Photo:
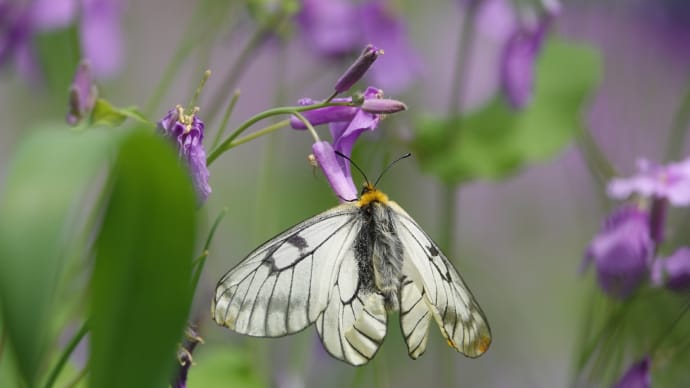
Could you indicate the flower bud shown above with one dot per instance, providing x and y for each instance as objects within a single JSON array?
[
  {"x": 357, "y": 70},
  {"x": 383, "y": 105}
]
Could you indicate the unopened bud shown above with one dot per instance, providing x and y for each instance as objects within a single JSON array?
[
  {"x": 383, "y": 106},
  {"x": 357, "y": 70}
]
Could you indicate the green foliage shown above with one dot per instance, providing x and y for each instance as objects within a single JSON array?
[
  {"x": 496, "y": 140},
  {"x": 42, "y": 209},
  {"x": 106, "y": 114},
  {"x": 223, "y": 367},
  {"x": 141, "y": 281}
]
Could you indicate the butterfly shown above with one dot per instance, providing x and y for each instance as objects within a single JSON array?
[{"x": 344, "y": 270}]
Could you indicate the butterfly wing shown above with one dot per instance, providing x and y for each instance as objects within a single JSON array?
[
  {"x": 285, "y": 284},
  {"x": 306, "y": 274},
  {"x": 433, "y": 287}
]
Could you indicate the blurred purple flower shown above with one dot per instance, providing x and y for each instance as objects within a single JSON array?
[
  {"x": 519, "y": 60},
  {"x": 347, "y": 123},
  {"x": 637, "y": 376},
  {"x": 671, "y": 182},
  {"x": 101, "y": 36},
  {"x": 400, "y": 65},
  {"x": 673, "y": 271},
  {"x": 621, "y": 251},
  {"x": 100, "y": 31},
  {"x": 15, "y": 29},
  {"x": 329, "y": 26},
  {"x": 187, "y": 131},
  {"x": 53, "y": 14},
  {"x": 82, "y": 94},
  {"x": 335, "y": 28}
]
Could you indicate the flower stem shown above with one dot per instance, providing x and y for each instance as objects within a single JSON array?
[
  {"x": 190, "y": 42},
  {"x": 255, "y": 41},
  {"x": 199, "y": 262},
  {"x": 462, "y": 60},
  {"x": 679, "y": 128},
  {"x": 65, "y": 355},
  {"x": 226, "y": 118},
  {"x": 227, "y": 143}
]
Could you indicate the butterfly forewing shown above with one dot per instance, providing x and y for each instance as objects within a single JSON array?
[
  {"x": 441, "y": 287},
  {"x": 284, "y": 285}
]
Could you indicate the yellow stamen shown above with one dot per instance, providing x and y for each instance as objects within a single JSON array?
[{"x": 185, "y": 119}]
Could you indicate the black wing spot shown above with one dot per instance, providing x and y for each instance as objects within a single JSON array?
[
  {"x": 432, "y": 250},
  {"x": 297, "y": 241}
]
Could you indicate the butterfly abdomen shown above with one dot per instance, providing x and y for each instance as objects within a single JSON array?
[{"x": 379, "y": 253}]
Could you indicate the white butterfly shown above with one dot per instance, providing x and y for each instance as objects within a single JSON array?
[{"x": 343, "y": 270}]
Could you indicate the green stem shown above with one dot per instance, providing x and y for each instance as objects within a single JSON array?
[
  {"x": 240, "y": 65},
  {"x": 461, "y": 61},
  {"x": 226, "y": 118},
  {"x": 199, "y": 262},
  {"x": 259, "y": 133},
  {"x": 226, "y": 144},
  {"x": 597, "y": 162},
  {"x": 65, "y": 355},
  {"x": 681, "y": 120}
]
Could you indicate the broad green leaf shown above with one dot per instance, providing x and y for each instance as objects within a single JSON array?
[
  {"x": 223, "y": 367},
  {"x": 141, "y": 280},
  {"x": 496, "y": 140},
  {"x": 42, "y": 210}
]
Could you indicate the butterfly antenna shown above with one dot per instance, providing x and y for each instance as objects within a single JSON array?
[
  {"x": 354, "y": 164},
  {"x": 407, "y": 155}
]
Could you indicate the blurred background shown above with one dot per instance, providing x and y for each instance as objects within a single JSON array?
[{"x": 519, "y": 238}]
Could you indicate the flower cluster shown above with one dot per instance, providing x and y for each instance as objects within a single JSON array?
[
  {"x": 187, "y": 133},
  {"x": 347, "y": 122},
  {"x": 624, "y": 250}
]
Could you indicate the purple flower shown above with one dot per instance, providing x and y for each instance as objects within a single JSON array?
[
  {"x": 329, "y": 26},
  {"x": 384, "y": 28},
  {"x": 15, "y": 30},
  {"x": 101, "y": 36},
  {"x": 188, "y": 133},
  {"x": 670, "y": 182},
  {"x": 100, "y": 31},
  {"x": 53, "y": 14},
  {"x": 82, "y": 94},
  {"x": 673, "y": 272},
  {"x": 338, "y": 178},
  {"x": 335, "y": 28},
  {"x": 184, "y": 357},
  {"x": 518, "y": 62},
  {"x": 621, "y": 251},
  {"x": 347, "y": 123},
  {"x": 637, "y": 376}
]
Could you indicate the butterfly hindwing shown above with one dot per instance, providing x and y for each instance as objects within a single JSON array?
[
  {"x": 434, "y": 283},
  {"x": 284, "y": 285}
]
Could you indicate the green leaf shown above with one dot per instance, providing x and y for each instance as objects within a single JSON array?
[
  {"x": 223, "y": 367},
  {"x": 496, "y": 140},
  {"x": 141, "y": 281},
  {"x": 42, "y": 212},
  {"x": 106, "y": 114}
]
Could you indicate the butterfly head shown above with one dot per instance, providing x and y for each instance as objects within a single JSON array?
[{"x": 371, "y": 194}]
